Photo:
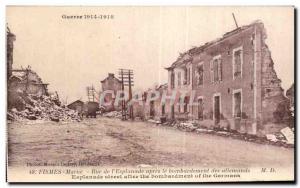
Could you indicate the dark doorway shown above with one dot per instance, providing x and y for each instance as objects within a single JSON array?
[
  {"x": 186, "y": 102},
  {"x": 217, "y": 108},
  {"x": 172, "y": 111},
  {"x": 163, "y": 110},
  {"x": 152, "y": 111},
  {"x": 237, "y": 105},
  {"x": 200, "y": 109}
]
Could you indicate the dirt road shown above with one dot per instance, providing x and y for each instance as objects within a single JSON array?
[{"x": 112, "y": 142}]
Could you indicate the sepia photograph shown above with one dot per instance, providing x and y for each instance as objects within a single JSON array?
[{"x": 150, "y": 94}]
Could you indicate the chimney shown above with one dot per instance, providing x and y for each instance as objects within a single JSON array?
[{"x": 111, "y": 75}]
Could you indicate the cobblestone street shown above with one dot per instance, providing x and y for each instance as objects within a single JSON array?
[{"x": 112, "y": 142}]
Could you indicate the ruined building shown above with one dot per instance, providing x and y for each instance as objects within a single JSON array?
[
  {"x": 24, "y": 82},
  {"x": 28, "y": 81},
  {"x": 10, "y": 38},
  {"x": 234, "y": 80},
  {"x": 111, "y": 83},
  {"x": 21, "y": 82},
  {"x": 153, "y": 109}
]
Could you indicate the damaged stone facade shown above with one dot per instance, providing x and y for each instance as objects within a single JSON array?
[
  {"x": 235, "y": 84},
  {"x": 155, "y": 109},
  {"x": 28, "y": 81},
  {"x": 24, "y": 82},
  {"x": 21, "y": 82},
  {"x": 113, "y": 84}
]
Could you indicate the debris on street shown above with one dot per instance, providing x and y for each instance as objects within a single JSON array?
[
  {"x": 153, "y": 121},
  {"x": 113, "y": 114},
  {"x": 288, "y": 134},
  {"x": 284, "y": 138},
  {"x": 187, "y": 126},
  {"x": 271, "y": 137},
  {"x": 42, "y": 108}
]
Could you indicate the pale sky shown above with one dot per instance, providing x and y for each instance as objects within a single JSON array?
[{"x": 71, "y": 54}]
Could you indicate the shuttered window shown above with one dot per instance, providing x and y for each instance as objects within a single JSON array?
[
  {"x": 216, "y": 69},
  {"x": 200, "y": 74},
  {"x": 237, "y": 62},
  {"x": 172, "y": 80}
]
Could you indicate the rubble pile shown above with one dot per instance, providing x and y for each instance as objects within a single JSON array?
[
  {"x": 187, "y": 126},
  {"x": 113, "y": 114},
  {"x": 42, "y": 108},
  {"x": 154, "y": 121},
  {"x": 283, "y": 138}
]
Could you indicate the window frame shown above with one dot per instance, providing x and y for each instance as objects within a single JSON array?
[
  {"x": 233, "y": 102},
  {"x": 219, "y": 69},
  {"x": 197, "y": 67},
  {"x": 213, "y": 99},
  {"x": 200, "y": 98},
  {"x": 185, "y": 75},
  {"x": 179, "y": 81},
  {"x": 240, "y": 48},
  {"x": 172, "y": 79}
]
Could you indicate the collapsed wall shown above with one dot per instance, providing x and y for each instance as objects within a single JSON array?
[
  {"x": 39, "y": 107},
  {"x": 275, "y": 106}
]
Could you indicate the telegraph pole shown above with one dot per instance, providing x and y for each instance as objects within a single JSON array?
[
  {"x": 123, "y": 101},
  {"x": 91, "y": 93},
  {"x": 126, "y": 76},
  {"x": 130, "y": 96}
]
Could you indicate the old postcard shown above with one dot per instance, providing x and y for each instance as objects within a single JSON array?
[{"x": 150, "y": 94}]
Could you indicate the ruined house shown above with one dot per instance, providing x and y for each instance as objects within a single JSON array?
[
  {"x": 155, "y": 109},
  {"x": 24, "y": 82},
  {"x": 28, "y": 81},
  {"x": 234, "y": 82},
  {"x": 113, "y": 84},
  {"x": 10, "y": 38},
  {"x": 20, "y": 82}
]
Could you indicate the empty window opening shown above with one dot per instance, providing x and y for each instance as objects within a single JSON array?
[
  {"x": 185, "y": 75},
  {"x": 172, "y": 80},
  {"x": 179, "y": 79},
  {"x": 200, "y": 74}
]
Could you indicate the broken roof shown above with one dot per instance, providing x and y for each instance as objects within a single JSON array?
[
  {"x": 21, "y": 74},
  {"x": 199, "y": 49},
  {"x": 77, "y": 101},
  {"x": 110, "y": 75}
]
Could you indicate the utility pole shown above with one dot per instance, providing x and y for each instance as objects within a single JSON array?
[
  {"x": 130, "y": 96},
  {"x": 91, "y": 93},
  {"x": 126, "y": 76},
  {"x": 123, "y": 101}
]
